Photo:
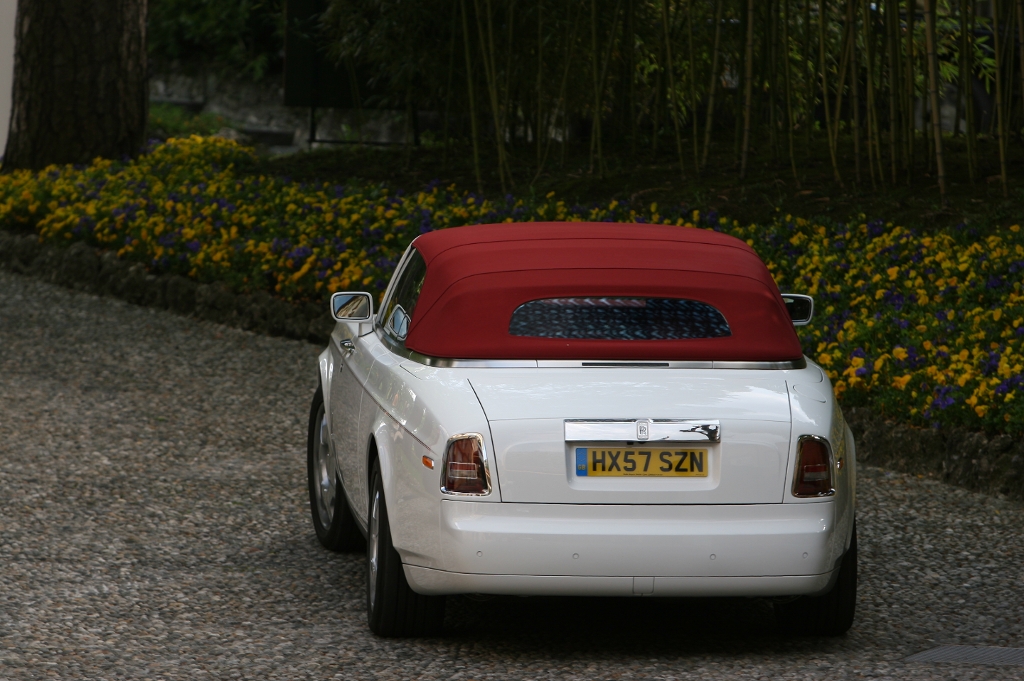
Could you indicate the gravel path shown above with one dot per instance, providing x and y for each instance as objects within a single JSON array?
[{"x": 154, "y": 524}]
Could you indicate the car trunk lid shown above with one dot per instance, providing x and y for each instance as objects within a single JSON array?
[{"x": 543, "y": 422}]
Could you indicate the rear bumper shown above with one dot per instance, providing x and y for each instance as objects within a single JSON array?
[
  {"x": 439, "y": 582},
  {"x": 721, "y": 550}
]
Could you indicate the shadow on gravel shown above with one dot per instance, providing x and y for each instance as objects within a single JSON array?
[{"x": 656, "y": 626}]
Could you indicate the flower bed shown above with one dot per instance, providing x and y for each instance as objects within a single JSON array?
[{"x": 929, "y": 329}]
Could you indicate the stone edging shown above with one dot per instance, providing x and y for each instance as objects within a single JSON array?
[
  {"x": 83, "y": 268},
  {"x": 994, "y": 465}
]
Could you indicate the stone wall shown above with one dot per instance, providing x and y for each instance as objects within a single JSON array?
[{"x": 258, "y": 110}]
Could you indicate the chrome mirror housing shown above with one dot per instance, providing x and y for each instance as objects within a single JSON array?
[
  {"x": 800, "y": 307},
  {"x": 398, "y": 323},
  {"x": 349, "y": 306}
]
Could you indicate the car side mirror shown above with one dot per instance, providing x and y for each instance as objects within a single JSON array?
[
  {"x": 348, "y": 306},
  {"x": 800, "y": 307}
]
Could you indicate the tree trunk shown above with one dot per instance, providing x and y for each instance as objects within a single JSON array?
[
  {"x": 80, "y": 83},
  {"x": 933, "y": 94}
]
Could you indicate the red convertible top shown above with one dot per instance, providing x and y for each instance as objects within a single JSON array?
[{"x": 478, "y": 276}]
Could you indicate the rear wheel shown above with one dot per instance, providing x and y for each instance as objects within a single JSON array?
[
  {"x": 830, "y": 614},
  {"x": 332, "y": 519},
  {"x": 393, "y": 608}
]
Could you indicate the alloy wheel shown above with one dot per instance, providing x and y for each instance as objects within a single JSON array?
[
  {"x": 326, "y": 485},
  {"x": 372, "y": 548}
]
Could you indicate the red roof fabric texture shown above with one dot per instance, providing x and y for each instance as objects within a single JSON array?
[{"x": 477, "y": 276}]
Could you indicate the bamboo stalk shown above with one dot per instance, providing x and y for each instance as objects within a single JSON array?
[
  {"x": 789, "y": 90},
  {"x": 809, "y": 97},
  {"x": 961, "y": 72},
  {"x": 693, "y": 89},
  {"x": 540, "y": 77},
  {"x": 933, "y": 94},
  {"x": 823, "y": 67},
  {"x": 845, "y": 51},
  {"x": 1020, "y": 42},
  {"x": 999, "y": 99},
  {"x": 910, "y": 90},
  {"x": 560, "y": 104},
  {"x": 631, "y": 52},
  {"x": 870, "y": 92},
  {"x": 972, "y": 129},
  {"x": 472, "y": 101},
  {"x": 773, "y": 62},
  {"x": 748, "y": 86},
  {"x": 851, "y": 18},
  {"x": 448, "y": 89},
  {"x": 669, "y": 96},
  {"x": 490, "y": 75},
  {"x": 893, "y": 61},
  {"x": 713, "y": 87}
]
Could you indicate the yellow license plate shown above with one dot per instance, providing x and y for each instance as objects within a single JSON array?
[{"x": 653, "y": 462}]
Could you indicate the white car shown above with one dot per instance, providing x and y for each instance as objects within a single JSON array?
[{"x": 587, "y": 410}]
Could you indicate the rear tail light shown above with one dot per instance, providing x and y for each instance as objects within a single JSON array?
[
  {"x": 813, "y": 476},
  {"x": 464, "y": 470}
]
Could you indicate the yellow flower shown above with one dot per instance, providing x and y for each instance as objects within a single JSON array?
[
  {"x": 899, "y": 353},
  {"x": 901, "y": 382}
]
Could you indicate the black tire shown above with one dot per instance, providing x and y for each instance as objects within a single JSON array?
[
  {"x": 392, "y": 607},
  {"x": 332, "y": 518},
  {"x": 830, "y": 614}
]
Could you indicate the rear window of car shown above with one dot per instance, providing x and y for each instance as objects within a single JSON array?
[{"x": 618, "y": 318}]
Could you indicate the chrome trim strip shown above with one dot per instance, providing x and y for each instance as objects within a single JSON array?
[
  {"x": 622, "y": 363},
  {"x": 448, "y": 363},
  {"x": 483, "y": 456},
  {"x": 792, "y": 364},
  {"x": 659, "y": 430}
]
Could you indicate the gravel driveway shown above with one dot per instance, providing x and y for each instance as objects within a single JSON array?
[{"x": 154, "y": 523}]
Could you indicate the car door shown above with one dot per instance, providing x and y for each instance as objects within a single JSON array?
[
  {"x": 358, "y": 393},
  {"x": 351, "y": 363}
]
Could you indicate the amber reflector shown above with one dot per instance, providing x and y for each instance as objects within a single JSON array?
[
  {"x": 813, "y": 468},
  {"x": 464, "y": 471}
]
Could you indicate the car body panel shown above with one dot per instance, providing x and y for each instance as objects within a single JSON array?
[
  {"x": 527, "y": 410},
  {"x": 634, "y": 540}
]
